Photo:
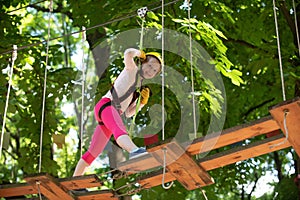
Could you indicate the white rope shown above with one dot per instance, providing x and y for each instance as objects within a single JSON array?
[
  {"x": 142, "y": 14},
  {"x": 163, "y": 94},
  {"x": 13, "y": 58},
  {"x": 296, "y": 26},
  {"x": 279, "y": 53},
  {"x": 45, "y": 86},
  {"x": 203, "y": 193},
  {"x": 164, "y": 171},
  {"x": 82, "y": 90},
  {"x": 192, "y": 71},
  {"x": 163, "y": 70},
  {"x": 285, "y": 129},
  {"x": 38, "y": 183}
]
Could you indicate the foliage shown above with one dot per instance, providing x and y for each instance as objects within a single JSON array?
[{"x": 238, "y": 35}]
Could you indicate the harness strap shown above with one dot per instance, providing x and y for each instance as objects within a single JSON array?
[
  {"x": 101, "y": 110},
  {"x": 118, "y": 100}
]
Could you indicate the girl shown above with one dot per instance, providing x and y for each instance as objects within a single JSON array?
[{"x": 119, "y": 101}]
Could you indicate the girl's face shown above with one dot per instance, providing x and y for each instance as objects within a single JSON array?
[{"x": 150, "y": 68}]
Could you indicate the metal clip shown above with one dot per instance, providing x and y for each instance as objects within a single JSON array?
[{"x": 142, "y": 12}]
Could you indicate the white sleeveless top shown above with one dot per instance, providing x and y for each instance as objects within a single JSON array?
[{"x": 126, "y": 78}]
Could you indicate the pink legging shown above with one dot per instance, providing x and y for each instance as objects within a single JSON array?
[{"x": 112, "y": 124}]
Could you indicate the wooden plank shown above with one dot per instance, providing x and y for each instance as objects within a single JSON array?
[
  {"x": 182, "y": 166},
  {"x": 155, "y": 178},
  {"x": 292, "y": 119},
  {"x": 204, "y": 144},
  {"x": 80, "y": 182},
  {"x": 224, "y": 158},
  {"x": 139, "y": 164},
  {"x": 240, "y": 153},
  {"x": 21, "y": 189},
  {"x": 97, "y": 195},
  {"x": 232, "y": 135},
  {"x": 48, "y": 186}
]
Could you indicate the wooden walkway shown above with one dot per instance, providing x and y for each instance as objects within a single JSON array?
[
  {"x": 56, "y": 189},
  {"x": 280, "y": 130},
  {"x": 271, "y": 125}
]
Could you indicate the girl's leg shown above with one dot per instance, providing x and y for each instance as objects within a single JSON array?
[
  {"x": 113, "y": 121},
  {"x": 99, "y": 140}
]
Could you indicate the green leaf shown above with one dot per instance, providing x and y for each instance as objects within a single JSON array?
[{"x": 152, "y": 15}]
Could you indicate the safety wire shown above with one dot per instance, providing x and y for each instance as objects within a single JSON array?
[
  {"x": 279, "y": 52},
  {"x": 38, "y": 184},
  {"x": 13, "y": 58},
  {"x": 187, "y": 2},
  {"x": 164, "y": 150},
  {"x": 192, "y": 71},
  {"x": 45, "y": 85},
  {"x": 82, "y": 90},
  {"x": 142, "y": 14},
  {"x": 282, "y": 78}
]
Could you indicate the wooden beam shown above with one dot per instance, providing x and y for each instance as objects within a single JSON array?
[
  {"x": 98, "y": 195},
  {"x": 204, "y": 144},
  {"x": 240, "y": 153},
  {"x": 155, "y": 178},
  {"x": 232, "y": 135},
  {"x": 288, "y": 113},
  {"x": 182, "y": 166},
  {"x": 139, "y": 164},
  {"x": 80, "y": 182},
  {"x": 49, "y": 187},
  {"x": 11, "y": 190},
  {"x": 224, "y": 158}
]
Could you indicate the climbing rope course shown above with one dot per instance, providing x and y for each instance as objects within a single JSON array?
[{"x": 191, "y": 173}]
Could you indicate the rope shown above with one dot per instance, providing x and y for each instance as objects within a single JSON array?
[
  {"x": 45, "y": 86},
  {"x": 38, "y": 183},
  {"x": 279, "y": 53},
  {"x": 164, "y": 171},
  {"x": 203, "y": 193},
  {"x": 82, "y": 91},
  {"x": 187, "y": 2},
  {"x": 142, "y": 14},
  {"x": 285, "y": 129},
  {"x": 163, "y": 93},
  {"x": 13, "y": 58},
  {"x": 89, "y": 28},
  {"x": 296, "y": 26},
  {"x": 162, "y": 70}
]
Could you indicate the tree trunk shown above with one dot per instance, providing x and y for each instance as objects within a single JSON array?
[{"x": 278, "y": 165}]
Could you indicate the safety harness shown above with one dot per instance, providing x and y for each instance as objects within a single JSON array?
[{"x": 116, "y": 101}]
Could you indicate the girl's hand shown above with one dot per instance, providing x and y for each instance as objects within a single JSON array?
[
  {"x": 145, "y": 93},
  {"x": 142, "y": 55}
]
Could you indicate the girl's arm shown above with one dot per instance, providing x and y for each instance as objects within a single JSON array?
[
  {"x": 129, "y": 56},
  {"x": 132, "y": 109}
]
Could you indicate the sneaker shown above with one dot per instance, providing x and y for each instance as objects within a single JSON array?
[{"x": 138, "y": 152}]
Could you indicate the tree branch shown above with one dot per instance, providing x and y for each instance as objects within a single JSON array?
[
  {"x": 258, "y": 106},
  {"x": 254, "y": 186},
  {"x": 288, "y": 18}
]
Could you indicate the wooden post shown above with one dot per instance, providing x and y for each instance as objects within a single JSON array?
[{"x": 288, "y": 113}]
